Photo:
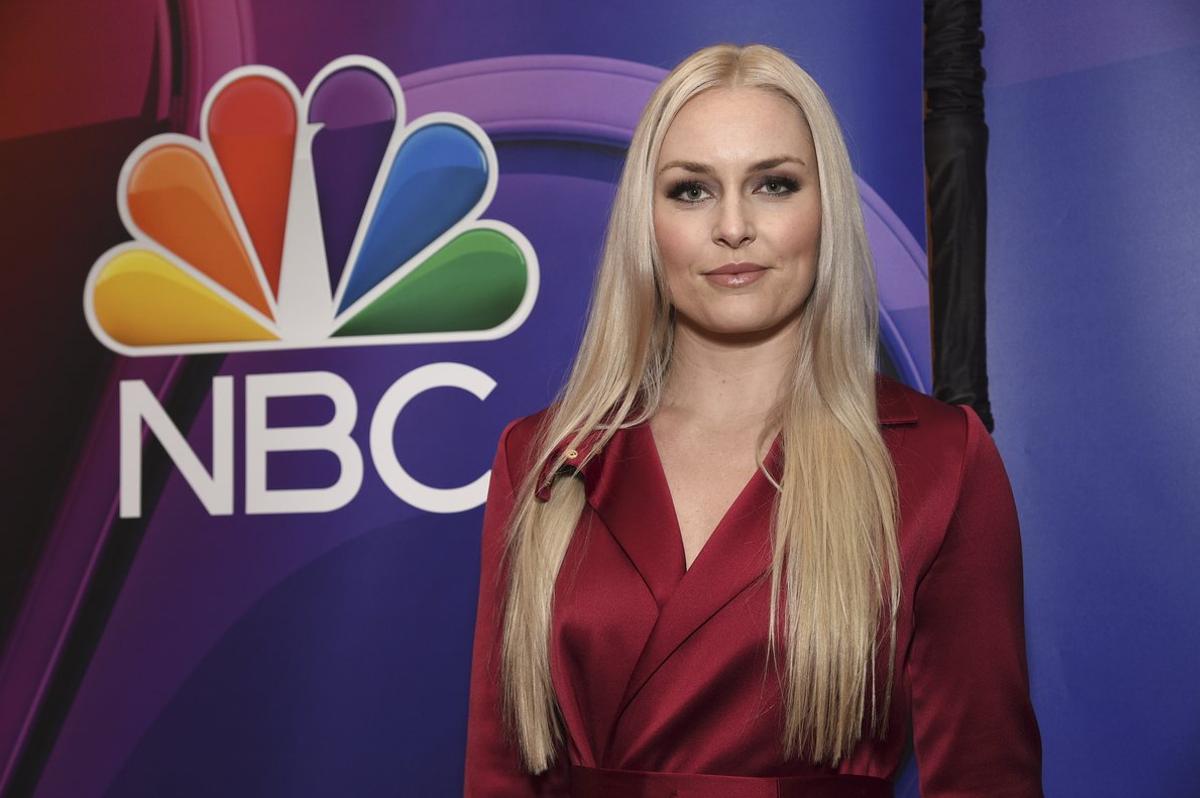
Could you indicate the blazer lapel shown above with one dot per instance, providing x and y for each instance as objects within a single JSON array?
[
  {"x": 620, "y": 482},
  {"x": 632, "y": 499},
  {"x": 893, "y": 406},
  {"x": 736, "y": 554}
]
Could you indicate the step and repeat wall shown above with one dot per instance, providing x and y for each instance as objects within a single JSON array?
[
  {"x": 279, "y": 273},
  {"x": 249, "y": 566}
]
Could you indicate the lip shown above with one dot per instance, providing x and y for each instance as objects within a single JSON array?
[
  {"x": 736, "y": 275},
  {"x": 737, "y": 268}
]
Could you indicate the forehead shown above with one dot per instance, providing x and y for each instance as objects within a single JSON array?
[{"x": 733, "y": 125}]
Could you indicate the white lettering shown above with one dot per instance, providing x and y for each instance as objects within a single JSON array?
[
  {"x": 331, "y": 437},
  {"x": 214, "y": 490},
  {"x": 383, "y": 426}
]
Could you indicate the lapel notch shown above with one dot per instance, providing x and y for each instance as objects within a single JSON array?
[{"x": 892, "y": 403}]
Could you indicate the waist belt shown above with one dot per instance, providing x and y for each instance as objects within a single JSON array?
[{"x": 605, "y": 783}]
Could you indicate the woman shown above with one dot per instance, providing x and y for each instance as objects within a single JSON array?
[{"x": 771, "y": 557}]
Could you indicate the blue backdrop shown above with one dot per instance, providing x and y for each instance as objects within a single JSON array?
[{"x": 1093, "y": 288}]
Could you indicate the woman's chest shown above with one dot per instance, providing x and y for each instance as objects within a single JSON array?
[
  {"x": 702, "y": 476},
  {"x": 662, "y": 667},
  {"x": 680, "y": 680},
  {"x": 682, "y": 685}
]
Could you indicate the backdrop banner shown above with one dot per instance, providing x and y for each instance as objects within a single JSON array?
[{"x": 284, "y": 270}]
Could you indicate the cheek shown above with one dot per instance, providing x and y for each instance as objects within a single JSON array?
[
  {"x": 676, "y": 240},
  {"x": 799, "y": 235}
]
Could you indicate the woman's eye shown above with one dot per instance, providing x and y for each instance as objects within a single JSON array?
[
  {"x": 689, "y": 191},
  {"x": 779, "y": 186}
]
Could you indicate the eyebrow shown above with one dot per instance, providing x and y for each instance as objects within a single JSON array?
[{"x": 703, "y": 168}]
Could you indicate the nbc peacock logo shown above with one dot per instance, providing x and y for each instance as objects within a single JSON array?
[{"x": 313, "y": 220}]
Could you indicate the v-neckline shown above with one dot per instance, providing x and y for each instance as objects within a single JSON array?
[{"x": 674, "y": 514}]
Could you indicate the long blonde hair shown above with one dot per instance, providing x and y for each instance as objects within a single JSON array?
[{"x": 834, "y": 523}]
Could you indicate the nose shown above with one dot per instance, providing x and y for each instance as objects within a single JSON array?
[{"x": 733, "y": 226}]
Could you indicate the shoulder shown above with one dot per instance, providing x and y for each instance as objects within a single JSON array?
[
  {"x": 942, "y": 442},
  {"x": 932, "y": 421},
  {"x": 517, "y": 441},
  {"x": 900, "y": 404}
]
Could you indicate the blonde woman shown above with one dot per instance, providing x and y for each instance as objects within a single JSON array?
[{"x": 730, "y": 559}]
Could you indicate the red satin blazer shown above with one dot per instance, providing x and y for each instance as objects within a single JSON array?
[{"x": 658, "y": 670}]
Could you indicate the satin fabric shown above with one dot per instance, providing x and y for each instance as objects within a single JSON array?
[
  {"x": 604, "y": 783},
  {"x": 662, "y": 669}
]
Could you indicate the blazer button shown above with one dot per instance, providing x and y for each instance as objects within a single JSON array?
[{"x": 571, "y": 455}]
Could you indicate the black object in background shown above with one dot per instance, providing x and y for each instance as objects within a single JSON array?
[{"x": 956, "y": 140}]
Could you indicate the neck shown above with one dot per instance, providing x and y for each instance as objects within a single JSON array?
[{"x": 723, "y": 381}]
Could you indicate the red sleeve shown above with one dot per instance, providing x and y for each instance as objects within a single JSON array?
[
  {"x": 493, "y": 764},
  {"x": 974, "y": 728}
]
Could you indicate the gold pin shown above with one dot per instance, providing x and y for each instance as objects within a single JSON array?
[{"x": 572, "y": 454}]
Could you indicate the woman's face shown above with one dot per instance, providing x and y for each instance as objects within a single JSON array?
[{"x": 736, "y": 183}]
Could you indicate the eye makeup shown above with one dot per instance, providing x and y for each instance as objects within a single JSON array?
[{"x": 681, "y": 188}]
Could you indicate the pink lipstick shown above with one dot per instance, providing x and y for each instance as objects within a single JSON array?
[{"x": 736, "y": 275}]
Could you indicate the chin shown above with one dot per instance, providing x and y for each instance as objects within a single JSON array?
[{"x": 734, "y": 323}]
